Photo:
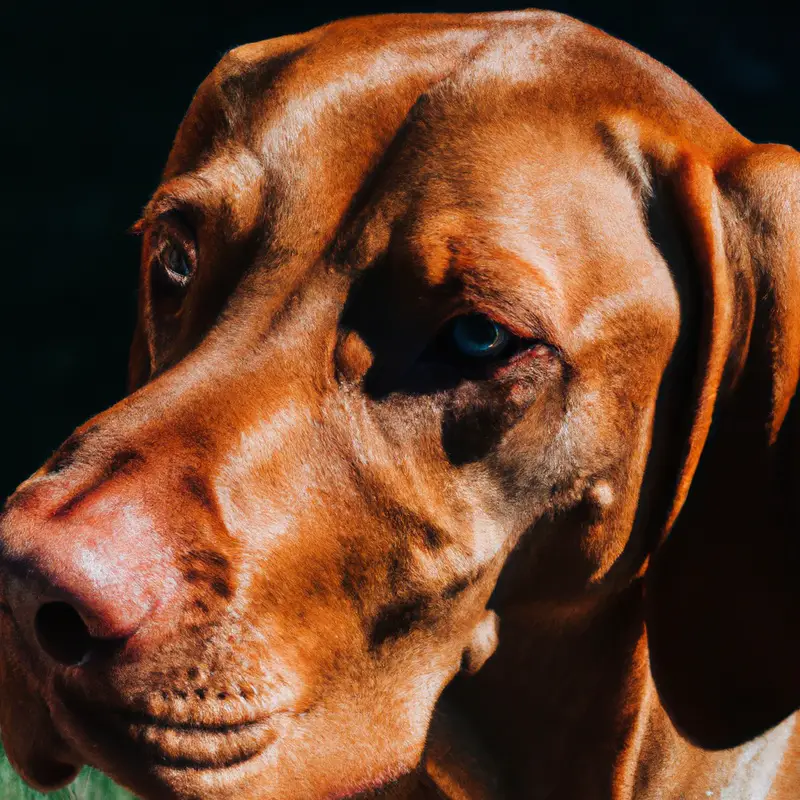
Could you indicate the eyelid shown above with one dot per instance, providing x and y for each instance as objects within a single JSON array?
[
  {"x": 177, "y": 225},
  {"x": 180, "y": 220},
  {"x": 169, "y": 210},
  {"x": 185, "y": 193}
]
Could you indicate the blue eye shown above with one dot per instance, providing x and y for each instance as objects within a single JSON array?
[{"x": 477, "y": 336}]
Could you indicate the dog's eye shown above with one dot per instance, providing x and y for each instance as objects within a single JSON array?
[
  {"x": 477, "y": 337},
  {"x": 177, "y": 263},
  {"x": 174, "y": 252},
  {"x": 473, "y": 347}
]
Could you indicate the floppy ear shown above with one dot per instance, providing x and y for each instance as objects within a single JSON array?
[{"x": 723, "y": 588}]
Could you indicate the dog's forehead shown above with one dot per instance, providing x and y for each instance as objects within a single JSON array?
[
  {"x": 341, "y": 90},
  {"x": 513, "y": 202},
  {"x": 299, "y": 125}
]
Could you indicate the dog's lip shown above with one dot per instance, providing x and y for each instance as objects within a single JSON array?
[
  {"x": 175, "y": 743},
  {"x": 197, "y": 745},
  {"x": 191, "y": 725}
]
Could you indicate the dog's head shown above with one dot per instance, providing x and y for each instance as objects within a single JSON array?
[{"x": 414, "y": 290}]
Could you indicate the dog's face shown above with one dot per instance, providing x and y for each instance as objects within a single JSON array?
[
  {"x": 333, "y": 465},
  {"x": 371, "y": 358}
]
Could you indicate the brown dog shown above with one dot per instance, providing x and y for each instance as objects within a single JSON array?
[{"x": 438, "y": 315}]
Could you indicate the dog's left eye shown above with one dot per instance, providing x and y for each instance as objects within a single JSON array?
[{"x": 477, "y": 337}]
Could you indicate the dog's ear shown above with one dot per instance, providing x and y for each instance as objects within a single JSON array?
[{"x": 723, "y": 584}]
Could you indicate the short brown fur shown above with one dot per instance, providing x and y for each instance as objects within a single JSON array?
[{"x": 308, "y": 564}]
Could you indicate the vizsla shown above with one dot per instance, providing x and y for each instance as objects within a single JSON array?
[{"x": 461, "y": 456}]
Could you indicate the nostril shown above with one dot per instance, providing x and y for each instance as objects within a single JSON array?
[{"x": 62, "y": 634}]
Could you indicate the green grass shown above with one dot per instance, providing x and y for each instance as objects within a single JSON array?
[{"x": 89, "y": 785}]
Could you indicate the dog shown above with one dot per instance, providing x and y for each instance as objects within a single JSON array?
[{"x": 461, "y": 453}]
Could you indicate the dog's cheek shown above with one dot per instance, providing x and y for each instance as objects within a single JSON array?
[
  {"x": 32, "y": 744},
  {"x": 478, "y": 416}
]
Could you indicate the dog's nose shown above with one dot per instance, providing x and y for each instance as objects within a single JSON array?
[
  {"x": 64, "y": 635},
  {"x": 82, "y": 576}
]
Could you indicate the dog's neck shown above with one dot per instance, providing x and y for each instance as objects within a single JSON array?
[{"x": 571, "y": 711}]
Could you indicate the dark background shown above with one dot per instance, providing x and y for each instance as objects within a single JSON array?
[{"x": 92, "y": 94}]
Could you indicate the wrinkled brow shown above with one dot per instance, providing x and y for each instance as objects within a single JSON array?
[
  {"x": 522, "y": 291},
  {"x": 187, "y": 191},
  {"x": 236, "y": 174}
]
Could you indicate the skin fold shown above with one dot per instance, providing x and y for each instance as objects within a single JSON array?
[{"x": 316, "y": 553}]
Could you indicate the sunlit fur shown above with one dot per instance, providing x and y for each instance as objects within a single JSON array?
[{"x": 314, "y": 561}]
